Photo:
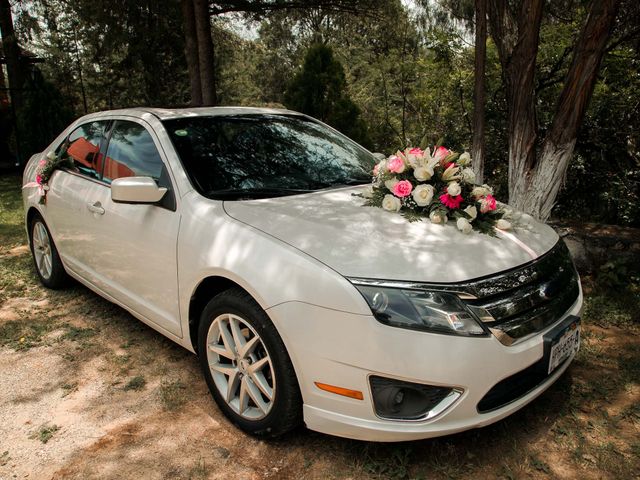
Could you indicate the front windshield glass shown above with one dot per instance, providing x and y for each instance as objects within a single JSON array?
[{"x": 265, "y": 155}]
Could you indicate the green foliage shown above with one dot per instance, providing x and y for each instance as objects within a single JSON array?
[
  {"x": 387, "y": 77},
  {"x": 45, "y": 433},
  {"x": 319, "y": 90},
  {"x": 44, "y": 114}
]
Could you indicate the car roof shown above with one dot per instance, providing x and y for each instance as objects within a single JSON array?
[{"x": 167, "y": 113}]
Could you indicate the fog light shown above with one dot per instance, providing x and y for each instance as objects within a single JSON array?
[{"x": 399, "y": 400}]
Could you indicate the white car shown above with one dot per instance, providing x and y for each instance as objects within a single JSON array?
[{"x": 236, "y": 233}]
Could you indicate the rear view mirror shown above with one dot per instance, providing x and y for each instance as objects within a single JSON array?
[{"x": 136, "y": 190}]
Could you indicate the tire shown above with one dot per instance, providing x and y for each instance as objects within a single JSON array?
[
  {"x": 258, "y": 367},
  {"x": 45, "y": 255}
]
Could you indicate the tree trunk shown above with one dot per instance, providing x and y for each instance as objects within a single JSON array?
[
  {"x": 4, "y": 99},
  {"x": 579, "y": 83},
  {"x": 191, "y": 52},
  {"x": 517, "y": 41},
  {"x": 479, "y": 92},
  {"x": 12, "y": 55},
  {"x": 80, "y": 76},
  {"x": 205, "y": 52}
]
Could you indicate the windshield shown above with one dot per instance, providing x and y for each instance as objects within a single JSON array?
[{"x": 265, "y": 155}]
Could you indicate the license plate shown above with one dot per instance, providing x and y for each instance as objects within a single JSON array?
[{"x": 564, "y": 345}]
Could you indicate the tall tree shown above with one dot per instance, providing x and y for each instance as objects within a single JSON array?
[
  {"x": 560, "y": 140},
  {"x": 191, "y": 51},
  {"x": 479, "y": 89},
  {"x": 534, "y": 180},
  {"x": 205, "y": 52},
  {"x": 200, "y": 23},
  {"x": 12, "y": 54},
  {"x": 319, "y": 90}
]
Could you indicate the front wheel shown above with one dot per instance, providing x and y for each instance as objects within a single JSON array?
[
  {"x": 247, "y": 367},
  {"x": 45, "y": 255}
]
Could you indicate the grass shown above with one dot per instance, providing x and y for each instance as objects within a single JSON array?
[
  {"x": 78, "y": 333},
  {"x": 24, "y": 334},
  {"x": 199, "y": 470},
  {"x": 137, "y": 383},
  {"x": 12, "y": 231},
  {"x": 173, "y": 394},
  {"x": 68, "y": 388},
  {"x": 45, "y": 433}
]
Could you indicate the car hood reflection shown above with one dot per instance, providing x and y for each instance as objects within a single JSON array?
[{"x": 333, "y": 227}]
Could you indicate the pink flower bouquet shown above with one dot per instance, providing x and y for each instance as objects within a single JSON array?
[{"x": 437, "y": 185}]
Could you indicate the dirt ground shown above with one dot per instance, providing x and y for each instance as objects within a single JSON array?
[{"x": 88, "y": 392}]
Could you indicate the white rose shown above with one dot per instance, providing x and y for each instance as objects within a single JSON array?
[
  {"x": 391, "y": 203},
  {"x": 51, "y": 155},
  {"x": 472, "y": 211},
  {"x": 478, "y": 192},
  {"x": 450, "y": 173},
  {"x": 423, "y": 194},
  {"x": 468, "y": 175},
  {"x": 437, "y": 217},
  {"x": 503, "y": 224},
  {"x": 423, "y": 174},
  {"x": 391, "y": 183},
  {"x": 454, "y": 189},
  {"x": 368, "y": 192},
  {"x": 464, "y": 159},
  {"x": 463, "y": 225},
  {"x": 380, "y": 168}
]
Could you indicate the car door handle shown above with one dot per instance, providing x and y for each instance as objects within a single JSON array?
[{"x": 96, "y": 208}]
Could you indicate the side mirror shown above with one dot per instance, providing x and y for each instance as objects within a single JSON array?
[{"x": 136, "y": 190}]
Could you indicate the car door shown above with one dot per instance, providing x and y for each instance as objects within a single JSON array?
[
  {"x": 67, "y": 206},
  {"x": 135, "y": 251}
]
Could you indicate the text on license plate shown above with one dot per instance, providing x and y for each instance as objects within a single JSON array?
[{"x": 564, "y": 346}]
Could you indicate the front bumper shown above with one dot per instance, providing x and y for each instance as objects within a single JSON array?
[{"x": 344, "y": 349}]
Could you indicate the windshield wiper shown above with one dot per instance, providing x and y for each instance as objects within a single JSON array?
[{"x": 231, "y": 193}]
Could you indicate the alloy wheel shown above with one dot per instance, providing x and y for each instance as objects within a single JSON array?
[
  {"x": 42, "y": 250},
  {"x": 241, "y": 366}
]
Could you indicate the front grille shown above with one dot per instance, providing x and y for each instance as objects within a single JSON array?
[
  {"x": 518, "y": 303},
  {"x": 515, "y": 386}
]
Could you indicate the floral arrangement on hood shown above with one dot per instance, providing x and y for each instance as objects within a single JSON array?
[
  {"x": 436, "y": 184},
  {"x": 44, "y": 170}
]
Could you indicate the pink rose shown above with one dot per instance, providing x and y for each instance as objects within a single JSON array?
[
  {"x": 42, "y": 163},
  {"x": 395, "y": 164},
  {"x": 487, "y": 204},
  {"x": 39, "y": 179},
  {"x": 451, "y": 202},
  {"x": 376, "y": 169},
  {"x": 416, "y": 151},
  {"x": 402, "y": 188},
  {"x": 441, "y": 153}
]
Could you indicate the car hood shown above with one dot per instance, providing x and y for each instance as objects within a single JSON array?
[{"x": 334, "y": 227}]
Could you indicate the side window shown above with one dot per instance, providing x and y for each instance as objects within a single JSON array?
[
  {"x": 131, "y": 152},
  {"x": 83, "y": 147}
]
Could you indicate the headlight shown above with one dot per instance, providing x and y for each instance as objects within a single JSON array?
[{"x": 430, "y": 311}]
